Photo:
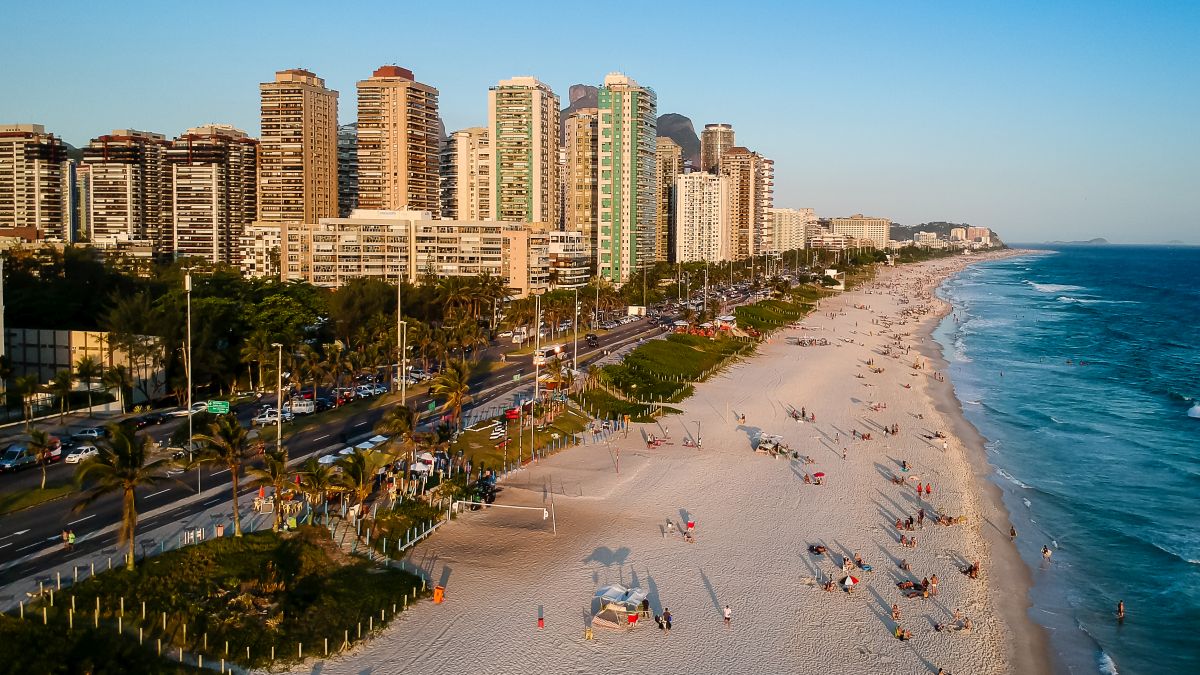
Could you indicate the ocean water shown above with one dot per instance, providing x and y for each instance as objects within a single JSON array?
[{"x": 1080, "y": 366}]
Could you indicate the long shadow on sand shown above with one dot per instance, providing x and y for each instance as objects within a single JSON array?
[{"x": 712, "y": 593}]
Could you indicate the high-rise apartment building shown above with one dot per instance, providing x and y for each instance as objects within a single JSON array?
[
  {"x": 131, "y": 189},
  {"x": 523, "y": 129},
  {"x": 628, "y": 206},
  {"x": 34, "y": 184},
  {"x": 214, "y": 182},
  {"x": 764, "y": 241},
  {"x": 399, "y": 142},
  {"x": 750, "y": 180},
  {"x": 347, "y": 158},
  {"x": 668, "y": 160},
  {"x": 581, "y": 212},
  {"x": 81, "y": 200},
  {"x": 790, "y": 227},
  {"x": 715, "y": 139},
  {"x": 702, "y": 211},
  {"x": 467, "y": 175},
  {"x": 298, "y": 168},
  {"x": 570, "y": 259},
  {"x": 858, "y": 226}
]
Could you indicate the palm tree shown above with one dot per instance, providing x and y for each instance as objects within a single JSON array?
[
  {"x": 120, "y": 466},
  {"x": 26, "y": 386},
  {"x": 358, "y": 473},
  {"x": 316, "y": 479},
  {"x": 86, "y": 370},
  {"x": 227, "y": 443},
  {"x": 119, "y": 378},
  {"x": 257, "y": 349},
  {"x": 274, "y": 473},
  {"x": 40, "y": 446},
  {"x": 452, "y": 386},
  {"x": 61, "y": 386}
]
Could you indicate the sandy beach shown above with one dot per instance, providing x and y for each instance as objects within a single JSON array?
[{"x": 755, "y": 520}]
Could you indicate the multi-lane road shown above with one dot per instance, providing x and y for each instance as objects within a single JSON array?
[{"x": 30, "y": 540}]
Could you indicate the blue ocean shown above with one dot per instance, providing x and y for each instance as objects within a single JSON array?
[{"x": 1080, "y": 366}]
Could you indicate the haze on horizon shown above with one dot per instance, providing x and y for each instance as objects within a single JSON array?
[{"x": 1043, "y": 121}]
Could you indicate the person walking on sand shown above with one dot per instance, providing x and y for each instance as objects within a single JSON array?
[
  {"x": 921, "y": 517},
  {"x": 667, "y": 618},
  {"x": 728, "y": 614},
  {"x": 1012, "y": 533}
]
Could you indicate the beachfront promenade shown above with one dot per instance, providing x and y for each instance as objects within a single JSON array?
[{"x": 755, "y": 518}]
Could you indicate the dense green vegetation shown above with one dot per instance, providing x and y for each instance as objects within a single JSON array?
[
  {"x": 27, "y": 646},
  {"x": 258, "y": 591}
]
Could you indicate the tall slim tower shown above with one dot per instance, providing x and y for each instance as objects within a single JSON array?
[
  {"x": 523, "y": 128},
  {"x": 33, "y": 184},
  {"x": 347, "y": 151},
  {"x": 702, "y": 205},
  {"x": 669, "y": 164},
  {"x": 467, "y": 175},
  {"x": 131, "y": 188},
  {"x": 297, "y": 171},
  {"x": 628, "y": 199},
  {"x": 398, "y": 143},
  {"x": 213, "y": 177},
  {"x": 715, "y": 139},
  {"x": 580, "y": 210}
]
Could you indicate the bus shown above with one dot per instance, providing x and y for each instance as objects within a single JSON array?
[{"x": 546, "y": 354}]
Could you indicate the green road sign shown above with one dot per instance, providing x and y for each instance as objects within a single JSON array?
[
  {"x": 432, "y": 406},
  {"x": 218, "y": 407},
  {"x": 516, "y": 378}
]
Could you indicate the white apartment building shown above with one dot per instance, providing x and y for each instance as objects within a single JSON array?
[
  {"x": 398, "y": 142},
  {"x": 298, "y": 152},
  {"x": 703, "y": 204},
  {"x": 35, "y": 189},
  {"x": 131, "y": 189},
  {"x": 466, "y": 175},
  {"x": 570, "y": 259},
  {"x": 213, "y": 182},
  {"x": 789, "y": 227}
]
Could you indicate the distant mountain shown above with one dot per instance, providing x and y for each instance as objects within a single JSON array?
[
  {"x": 674, "y": 126},
  {"x": 1098, "y": 241},
  {"x": 679, "y": 129}
]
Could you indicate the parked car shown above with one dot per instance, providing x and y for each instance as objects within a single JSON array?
[
  {"x": 90, "y": 433},
  {"x": 17, "y": 457},
  {"x": 300, "y": 406},
  {"x": 378, "y": 389},
  {"x": 81, "y": 453},
  {"x": 270, "y": 416},
  {"x": 322, "y": 404},
  {"x": 504, "y": 334},
  {"x": 363, "y": 391}
]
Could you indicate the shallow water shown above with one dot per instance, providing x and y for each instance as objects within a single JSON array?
[{"x": 1080, "y": 367}]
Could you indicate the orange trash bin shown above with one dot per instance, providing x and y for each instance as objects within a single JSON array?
[{"x": 439, "y": 594}]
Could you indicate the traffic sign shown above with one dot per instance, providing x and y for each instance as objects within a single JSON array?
[
  {"x": 432, "y": 406},
  {"x": 218, "y": 407}
]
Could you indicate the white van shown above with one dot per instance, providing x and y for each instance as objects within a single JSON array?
[{"x": 299, "y": 406}]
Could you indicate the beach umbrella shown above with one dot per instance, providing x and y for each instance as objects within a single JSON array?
[
  {"x": 365, "y": 445},
  {"x": 849, "y": 581},
  {"x": 378, "y": 439},
  {"x": 425, "y": 456},
  {"x": 420, "y": 467},
  {"x": 262, "y": 492},
  {"x": 819, "y": 474},
  {"x": 346, "y": 451}
]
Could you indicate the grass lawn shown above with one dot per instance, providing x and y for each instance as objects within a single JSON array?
[
  {"x": 606, "y": 406},
  {"x": 23, "y": 499},
  {"x": 768, "y": 315},
  {"x": 259, "y": 591},
  {"x": 662, "y": 370},
  {"x": 26, "y": 646},
  {"x": 478, "y": 446}
]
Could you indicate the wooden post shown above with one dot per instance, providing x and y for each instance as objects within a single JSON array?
[
  {"x": 141, "y": 637},
  {"x": 300, "y": 650},
  {"x": 120, "y": 624},
  {"x": 143, "y": 610},
  {"x": 58, "y": 580},
  {"x": 70, "y": 619},
  {"x": 326, "y": 646},
  {"x": 22, "y": 604},
  {"x": 160, "y": 646},
  {"x": 44, "y": 616},
  {"x": 122, "y": 605}
]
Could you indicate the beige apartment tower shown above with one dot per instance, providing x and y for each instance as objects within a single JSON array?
[
  {"x": 858, "y": 226},
  {"x": 715, "y": 139},
  {"x": 131, "y": 189},
  {"x": 790, "y": 227},
  {"x": 34, "y": 184},
  {"x": 213, "y": 178},
  {"x": 297, "y": 171},
  {"x": 523, "y": 129},
  {"x": 581, "y": 169},
  {"x": 668, "y": 160},
  {"x": 702, "y": 210},
  {"x": 466, "y": 170},
  {"x": 750, "y": 182},
  {"x": 398, "y": 142}
]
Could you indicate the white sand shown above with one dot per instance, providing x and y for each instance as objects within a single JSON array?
[{"x": 755, "y": 518}]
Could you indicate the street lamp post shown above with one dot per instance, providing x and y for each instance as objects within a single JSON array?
[
  {"x": 187, "y": 289},
  {"x": 279, "y": 403},
  {"x": 697, "y": 433},
  {"x": 575, "y": 357},
  {"x": 403, "y": 362}
]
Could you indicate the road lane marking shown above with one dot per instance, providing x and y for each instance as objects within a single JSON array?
[
  {"x": 158, "y": 493},
  {"x": 8, "y": 544},
  {"x": 14, "y": 534},
  {"x": 32, "y": 545},
  {"x": 218, "y": 473},
  {"x": 321, "y": 438},
  {"x": 81, "y": 519}
]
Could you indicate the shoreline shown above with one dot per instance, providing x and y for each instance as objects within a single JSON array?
[
  {"x": 1029, "y": 642},
  {"x": 755, "y": 518}
]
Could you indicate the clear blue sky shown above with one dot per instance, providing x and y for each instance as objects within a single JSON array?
[{"x": 1043, "y": 120}]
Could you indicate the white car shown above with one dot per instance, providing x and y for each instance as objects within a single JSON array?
[
  {"x": 81, "y": 453},
  {"x": 504, "y": 334},
  {"x": 91, "y": 433},
  {"x": 269, "y": 416}
]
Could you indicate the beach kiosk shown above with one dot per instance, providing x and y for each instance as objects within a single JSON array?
[{"x": 618, "y": 607}]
